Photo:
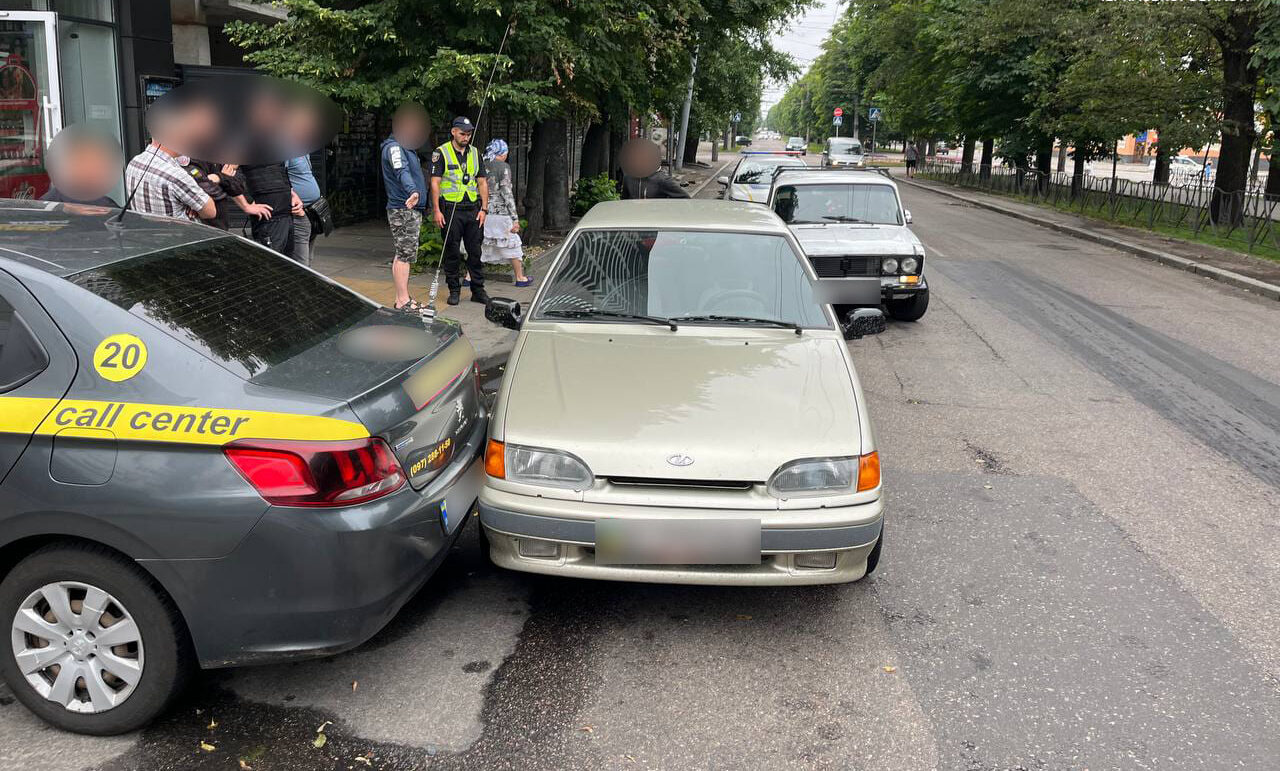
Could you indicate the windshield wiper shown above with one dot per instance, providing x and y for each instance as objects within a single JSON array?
[
  {"x": 842, "y": 218},
  {"x": 740, "y": 320},
  {"x": 593, "y": 313}
]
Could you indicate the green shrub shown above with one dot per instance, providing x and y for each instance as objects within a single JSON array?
[
  {"x": 589, "y": 191},
  {"x": 430, "y": 246}
]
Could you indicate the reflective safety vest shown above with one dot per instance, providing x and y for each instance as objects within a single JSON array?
[{"x": 458, "y": 182}]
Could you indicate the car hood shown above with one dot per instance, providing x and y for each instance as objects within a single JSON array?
[
  {"x": 739, "y": 405},
  {"x": 855, "y": 239},
  {"x": 756, "y": 193}
]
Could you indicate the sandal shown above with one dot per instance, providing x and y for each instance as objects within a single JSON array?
[{"x": 412, "y": 306}]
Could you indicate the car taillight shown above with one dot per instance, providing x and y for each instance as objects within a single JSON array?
[{"x": 288, "y": 473}]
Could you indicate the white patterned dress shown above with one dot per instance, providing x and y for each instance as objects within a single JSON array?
[{"x": 500, "y": 244}]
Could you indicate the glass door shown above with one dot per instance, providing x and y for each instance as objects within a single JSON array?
[{"x": 30, "y": 100}]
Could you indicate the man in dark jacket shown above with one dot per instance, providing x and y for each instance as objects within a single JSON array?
[
  {"x": 224, "y": 184},
  {"x": 269, "y": 184},
  {"x": 642, "y": 173}
]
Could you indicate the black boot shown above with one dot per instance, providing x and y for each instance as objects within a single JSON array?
[
  {"x": 455, "y": 296},
  {"x": 478, "y": 295}
]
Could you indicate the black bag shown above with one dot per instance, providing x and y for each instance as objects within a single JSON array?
[{"x": 321, "y": 216}]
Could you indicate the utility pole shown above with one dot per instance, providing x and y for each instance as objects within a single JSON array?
[
  {"x": 684, "y": 114},
  {"x": 808, "y": 119}
]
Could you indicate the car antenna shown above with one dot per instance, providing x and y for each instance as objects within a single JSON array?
[{"x": 117, "y": 222}]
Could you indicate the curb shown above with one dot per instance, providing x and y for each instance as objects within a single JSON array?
[
  {"x": 694, "y": 193},
  {"x": 1164, "y": 258}
]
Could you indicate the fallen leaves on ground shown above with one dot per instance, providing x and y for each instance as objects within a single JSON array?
[
  {"x": 889, "y": 668},
  {"x": 207, "y": 747},
  {"x": 320, "y": 736}
]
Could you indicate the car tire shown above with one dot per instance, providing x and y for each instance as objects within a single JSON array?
[
  {"x": 873, "y": 559},
  {"x": 910, "y": 309},
  {"x": 162, "y": 648}
]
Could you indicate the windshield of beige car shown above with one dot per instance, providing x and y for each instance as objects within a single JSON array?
[
  {"x": 858, "y": 203},
  {"x": 694, "y": 277},
  {"x": 760, "y": 171}
]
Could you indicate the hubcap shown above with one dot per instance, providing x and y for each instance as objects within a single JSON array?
[{"x": 77, "y": 646}]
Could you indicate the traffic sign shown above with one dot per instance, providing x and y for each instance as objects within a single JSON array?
[
  {"x": 838, "y": 112},
  {"x": 873, "y": 113},
  {"x": 737, "y": 117},
  {"x": 837, "y": 121}
]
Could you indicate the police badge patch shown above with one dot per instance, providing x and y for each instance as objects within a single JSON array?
[{"x": 435, "y": 156}]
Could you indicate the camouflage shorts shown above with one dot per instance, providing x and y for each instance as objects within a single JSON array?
[{"x": 405, "y": 224}]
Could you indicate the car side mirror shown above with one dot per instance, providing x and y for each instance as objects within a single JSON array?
[
  {"x": 906, "y": 214},
  {"x": 504, "y": 312},
  {"x": 861, "y": 322},
  {"x": 723, "y": 180}
]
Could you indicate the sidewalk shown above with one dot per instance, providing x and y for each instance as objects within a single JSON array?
[
  {"x": 1254, "y": 274},
  {"x": 359, "y": 256}
]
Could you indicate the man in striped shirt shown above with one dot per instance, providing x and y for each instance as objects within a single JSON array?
[{"x": 156, "y": 183}]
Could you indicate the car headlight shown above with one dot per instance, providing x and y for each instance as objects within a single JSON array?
[
  {"x": 889, "y": 265},
  {"x": 910, "y": 265},
  {"x": 814, "y": 476},
  {"x": 539, "y": 466}
]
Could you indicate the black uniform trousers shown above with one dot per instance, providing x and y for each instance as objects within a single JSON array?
[
  {"x": 275, "y": 233},
  {"x": 467, "y": 231}
]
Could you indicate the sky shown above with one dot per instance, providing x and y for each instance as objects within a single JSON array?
[{"x": 802, "y": 38}]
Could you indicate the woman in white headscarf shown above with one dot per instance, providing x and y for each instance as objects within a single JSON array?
[{"x": 502, "y": 224}]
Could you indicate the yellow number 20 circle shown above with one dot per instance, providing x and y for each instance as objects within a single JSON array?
[{"x": 119, "y": 357}]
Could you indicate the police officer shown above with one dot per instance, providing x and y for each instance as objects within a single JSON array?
[{"x": 460, "y": 192}]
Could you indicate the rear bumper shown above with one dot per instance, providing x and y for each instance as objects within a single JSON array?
[
  {"x": 314, "y": 582},
  {"x": 849, "y": 533}
]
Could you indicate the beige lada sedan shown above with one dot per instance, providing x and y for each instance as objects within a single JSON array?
[{"x": 679, "y": 408}]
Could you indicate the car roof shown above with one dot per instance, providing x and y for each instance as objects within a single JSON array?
[
  {"x": 772, "y": 158},
  {"x": 812, "y": 176},
  {"x": 64, "y": 239},
  {"x": 684, "y": 214}
]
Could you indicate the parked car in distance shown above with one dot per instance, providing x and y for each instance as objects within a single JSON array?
[
  {"x": 797, "y": 145},
  {"x": 1181, "y": 163},
  {"x": 210, "y": 456},
  {"x": 742, "y": 140},
  {"x": 752, "y": 176},
  {"x": 749, "y": 461},
  {"x": 839, "y": 152},
  {"x": 853, "y": 228}
]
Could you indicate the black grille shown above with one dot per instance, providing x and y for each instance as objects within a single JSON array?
[
  {"x": 843, "y": 266},
  {"x": 719, "y": 484}
]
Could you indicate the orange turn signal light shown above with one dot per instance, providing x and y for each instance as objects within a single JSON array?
[
  {"x": 869, "y": 471},
  {"x": 911, "y": 279},
  {"x": 495, "y": 460}
]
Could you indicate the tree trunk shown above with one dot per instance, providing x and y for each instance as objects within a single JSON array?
[
  {"x": 1062, "y": 156},
  {"x": 726, "y": 138},
  {"x": 533, "y": 195},
  {"x": 1161, "y": 174},
  {"x": 715, "y": 149},
  {"x": 1077, "y": 172},
  {"x": 1044, "y": 163},
  {"x": 595, "y": 150},
  {"x": 966, "y": 155},
  {"x": 988, "y": 149},
  {"x": 1239, "y": 84},
  {"x": 618, "y": 136},
  {"x": 692, "y": 134},
  {"x": 555, "y": 195}
]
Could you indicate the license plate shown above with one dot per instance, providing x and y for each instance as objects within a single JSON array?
[
  {"x": 457, "y": 503},
  {"x": 685, "y": 541}
]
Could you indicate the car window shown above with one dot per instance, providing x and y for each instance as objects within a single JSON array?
[
  {"x": 845, "y": 147},
  {"x": 824, "y": 204},
  {"x": 758, "y": 172},
  {"x": 673, "y": 273},
  {"x": 241, "y": 305},
  {"x": 21, "y": 355}
]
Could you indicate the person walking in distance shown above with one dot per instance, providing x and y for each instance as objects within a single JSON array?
[
  {"x": 502, "y": 224},
  {"x": 406, "y": 195},
  {"x": 642, "y": 175},
  {"x": 912, "y": 156},
  {"x": 460, "y": 198}
]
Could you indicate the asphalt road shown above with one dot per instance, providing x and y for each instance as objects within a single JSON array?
[{"x": 1082, "y": 463}]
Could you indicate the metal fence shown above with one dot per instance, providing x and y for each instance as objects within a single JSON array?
[{"x": 1245, "y": 217}]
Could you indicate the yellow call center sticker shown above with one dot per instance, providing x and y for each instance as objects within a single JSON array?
[{"x": 119, "y": 357}]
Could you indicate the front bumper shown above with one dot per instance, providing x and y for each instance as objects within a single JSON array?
[
  {"x": 314, "y": 582},
  {"x": 848, "y": 532},
  {"x": 892, "y": 288}
]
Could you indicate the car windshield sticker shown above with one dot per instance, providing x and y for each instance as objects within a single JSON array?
[{"x": 119, "y": 357}]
